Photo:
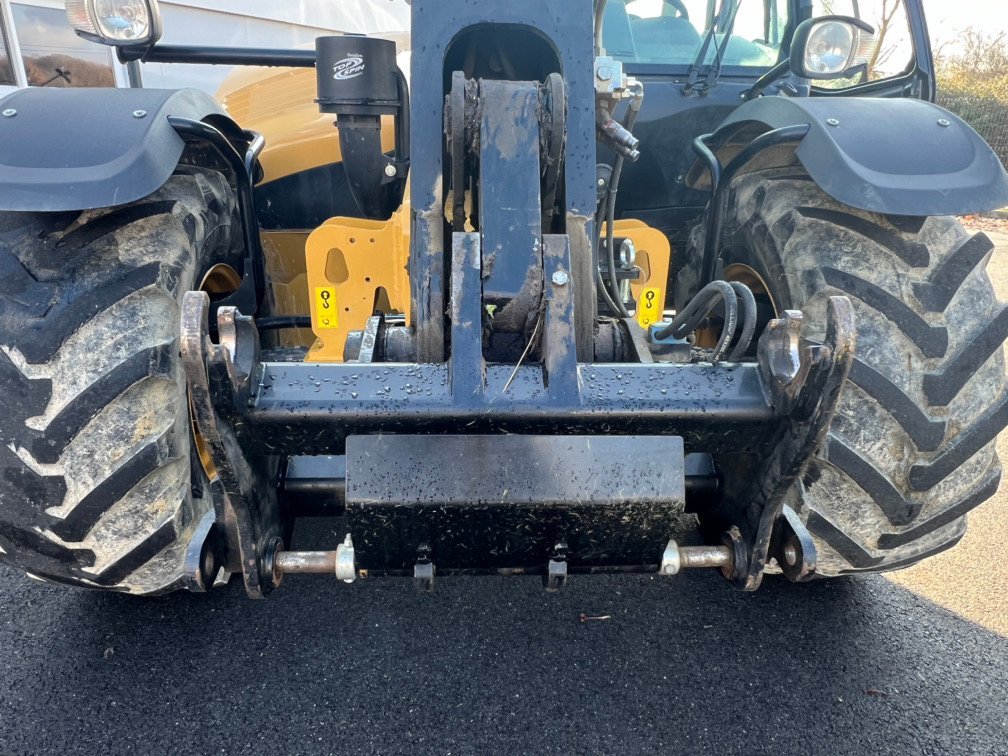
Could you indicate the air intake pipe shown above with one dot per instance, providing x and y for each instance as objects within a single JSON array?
[{"x": 359, "y": 81}]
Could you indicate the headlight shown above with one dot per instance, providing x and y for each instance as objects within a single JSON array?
[
  {"x": 831, "y": 47},
  {"x": 123, "y": 23}
]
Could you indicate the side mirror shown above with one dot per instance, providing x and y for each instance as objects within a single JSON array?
[
  {"x": 831, "y": 47},
  {"x": 118, "y": 23}
]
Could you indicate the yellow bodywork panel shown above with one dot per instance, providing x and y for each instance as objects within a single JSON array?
[
  {"x": 355, "y": 267},
  {"x": 359, "y": 267},
  {"x": 654, "y": 255}
]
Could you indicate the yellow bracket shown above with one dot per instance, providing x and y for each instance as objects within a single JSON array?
[
  {"x": 653, "y": 258},
  {"x": 355, "y": 268}
]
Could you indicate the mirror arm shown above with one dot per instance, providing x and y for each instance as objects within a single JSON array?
[{"x": 767, "y": 79}]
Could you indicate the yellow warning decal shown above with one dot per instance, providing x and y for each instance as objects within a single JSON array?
[
  {"x": 649, "y": 309},
  {"x": 325, "y": 307}
]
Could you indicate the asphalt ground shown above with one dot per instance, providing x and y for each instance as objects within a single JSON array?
[{"x": 490, "y": 665}]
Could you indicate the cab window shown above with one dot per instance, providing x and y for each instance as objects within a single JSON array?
[{"x": 747, "y": 33}]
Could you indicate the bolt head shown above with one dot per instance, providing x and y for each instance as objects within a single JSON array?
[
  {"x": 790, "y": 554},
  {"x": 604, "y": 73},
  {"x": 832, "y": 122},
  {"x": 9, "y": 113},
  {"x": 139, "y": 113},
  {"x": 390, "y": 170},
  {"x": 944, "y": 123},
  {"x": 627, "y": 254},
  {"x": 560, "y": 278}
]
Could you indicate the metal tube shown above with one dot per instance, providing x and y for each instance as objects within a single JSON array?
[
  {"x": 719, "y": 201},
  {"x": 713, "y": 164},
  {"x": 229, "y": 56},
  {"x": 204, "y": 132},
  {"x": 704, "y": 556},
  {"x": 305, "y": 562}
]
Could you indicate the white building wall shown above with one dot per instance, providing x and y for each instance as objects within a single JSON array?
[{"x": 231, "y": 23}]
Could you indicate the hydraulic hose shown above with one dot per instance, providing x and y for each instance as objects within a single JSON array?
[
  {"x": 609, "y": 208},
  {"x": 709, "y": 298},
  {"x": 748, "y": 320}
]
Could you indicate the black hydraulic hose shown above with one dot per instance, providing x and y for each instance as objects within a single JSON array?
[
  {"x": 748, "y": 320},
  {"x": 603, "y": 287},
  {"x": 610, "y": 212},
  {"x": 685, "y": 322},
  {"x": 719, "y": 202},
  {"x": 279, "y": 322},
  {"x": 610, "y": 207}
]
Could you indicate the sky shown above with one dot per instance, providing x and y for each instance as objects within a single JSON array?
[{"x": 947, "y": 17}]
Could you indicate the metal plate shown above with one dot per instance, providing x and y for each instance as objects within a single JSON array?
[
  {"x": 504, "y": 502},
  {"x": 506, "y": 470}
]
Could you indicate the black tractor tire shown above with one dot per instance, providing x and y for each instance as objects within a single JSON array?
[
  {"x": 911, "y": 449},
  {"x": 95, "y": 436}
]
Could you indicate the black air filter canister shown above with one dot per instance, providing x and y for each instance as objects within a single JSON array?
[
  {"x": 358, "y": 80},
  {"x": 356, "y": 75}
]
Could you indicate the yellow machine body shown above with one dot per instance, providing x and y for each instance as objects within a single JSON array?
[
  {"x": 349, "y": 269},
  {"x": 356, "y": 268}
]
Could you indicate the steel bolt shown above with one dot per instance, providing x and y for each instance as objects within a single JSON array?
[
  {"x": 627, "y": 254},
  {"x": 139, "y": 113},
  {"x": 9, "y": 113},
  {"x": 832, "y": 122},
  {"x": 944, "y": 123},
  {"x": 790, "y": 554},
  {"x": 390, "y": 170},
  {"x": 560, "y": 278},
  {"x": 604, "y": 73}
]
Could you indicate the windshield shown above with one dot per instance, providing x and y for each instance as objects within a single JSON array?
[{"x": 671, "y": 32}]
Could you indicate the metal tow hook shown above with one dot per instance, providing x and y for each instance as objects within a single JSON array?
[{"x": 340, "y": 562}]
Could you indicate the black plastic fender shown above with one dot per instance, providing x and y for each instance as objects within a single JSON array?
[
  {"x": 893, "y": 156},
  {"x": 79, "y": 149}
]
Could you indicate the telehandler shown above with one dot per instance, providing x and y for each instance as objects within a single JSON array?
[{"x": 591, "y": 273}]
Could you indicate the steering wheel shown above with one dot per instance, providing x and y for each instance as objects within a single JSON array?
[{"x": 678, "y": 7}]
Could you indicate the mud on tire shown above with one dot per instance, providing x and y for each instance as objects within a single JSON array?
[
  {"x": 911, "y": 450},
  {"x": 94, "y": 425}
]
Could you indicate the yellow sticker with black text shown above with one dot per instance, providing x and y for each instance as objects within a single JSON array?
[
  {"x": 325, "y": 307},
  {"x": 649, "y": 309}
]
